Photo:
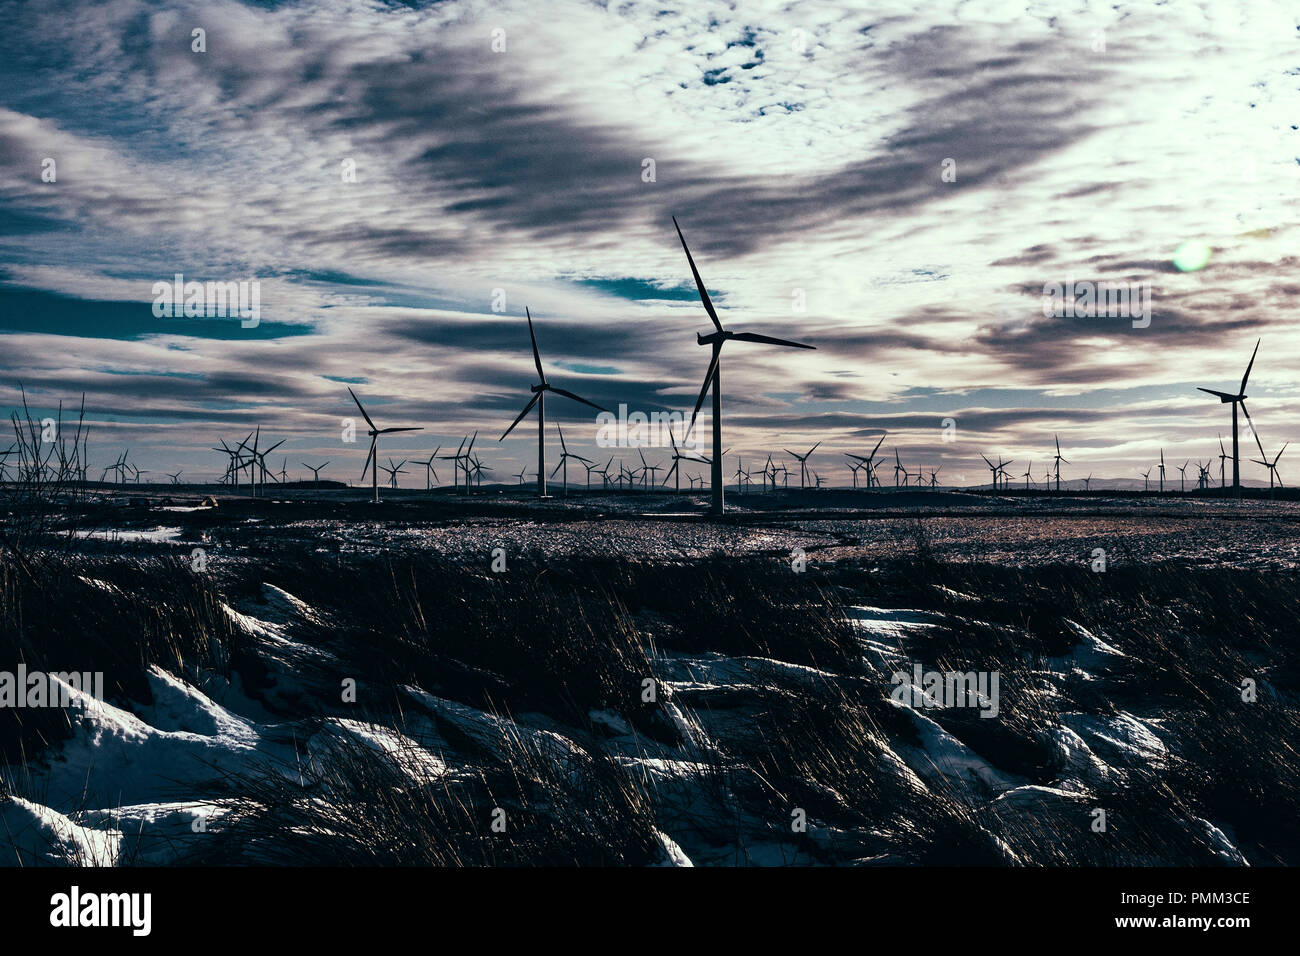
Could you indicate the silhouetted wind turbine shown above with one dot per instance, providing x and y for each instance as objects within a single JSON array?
[
  {"x": 1272, "y": 469},
  {"x": 1057, "y": 461},
  {"x": 869, "y": 462},
  {"x": 539, "y": 399},
  {"x": 565, "y": 455},
  {"x": 315, "y": 472},
  {"x": 1223, "y": 455},
  {"x": 713, "y": 377},
  {"x": 1235, "y": 400},
  {"x": 371, "y": 457},
  {"x": 1146, "y": 480},
  {"x": 431, "y": 473},
  {"x": 679, "y": 457},
  {"x": 176, "y": 478},
  {"x": 393, "y": 471},
  {"x": 1162, "y": 471},
  {"x": 803, "y": 463},
  {"x": 1182, "y": 477}
]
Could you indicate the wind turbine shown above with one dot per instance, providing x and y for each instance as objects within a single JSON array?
[
  {"x": 1223, "y": 455},
  {"x": 539, "y": 399},
  {"x": 869, "y": 462},
  {"x": 1058, "y": 459},
  {"x": 1087, "y": 482},
  {"x": 372, "y": 461},
  {"x": 315, "y": 472},
  {"x": 1162, "y": 471},
  {"x": 649, "y": 474},
  {"x": 1235, "y": 400},
  {"x": 934, "y": 476},
  {"x": 679, "y": 457},
  {"x": 1272, "y": 469},
  {"x": 393, "y": 471},
  {"x": 176, "y": 478},
  {"x": 853, "y": 467},
  {"x": 713, "y": 377},
  {"x": 460, "y": 461},
  {"x": 1025, "y": 476},
  {"x": 1182, "y": 477},
  {"x": 1146, "y": 480},
  {"x": 803, "y": 463},
  {"x": 565, "y": 455},
  {"x": 898, "y": 467},
  {"x": 431, "y": 473}
]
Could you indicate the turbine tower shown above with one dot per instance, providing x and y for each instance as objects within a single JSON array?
[
  {"x": 713, "y": 377},
  {"x": 539, "y": 399}
]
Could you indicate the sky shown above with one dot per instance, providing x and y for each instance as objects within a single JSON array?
[{"x": 894, "y": 183}]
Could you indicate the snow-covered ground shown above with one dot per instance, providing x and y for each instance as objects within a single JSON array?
[{"x": 143, "y": 784}]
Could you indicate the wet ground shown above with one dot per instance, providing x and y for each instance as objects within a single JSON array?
[{"x": 829, "y": 525}]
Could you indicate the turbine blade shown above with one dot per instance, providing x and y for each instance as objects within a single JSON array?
[
  {"x": 699, "y": 283},
  {"x": 1223, "y": 396},
  {"x": 704, "y": 389},
  {"x": 408, "y": 428},
  {"x": 1248, "y": 368},
  {"x": 527, "y": 408},
  {"x": 769, "y": 340},
  {"x": 1258, "y": 443},
  {"x": 537, "y": 358},
  {"x": 577, "y": 398},
  {"x": 370, "y": 455},
  {"x": 363, "y": 411}
]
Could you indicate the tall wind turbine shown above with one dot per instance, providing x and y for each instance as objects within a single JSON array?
[
  {"x": 539, "y": 399},
  {"x": 713, "y": 377},
  {"x": 1235, "y": 400},
  {"x": 1162, "y": 471},
  {"x": 1182, "y": 477},
  {"x": 372, "y": 462},
  {"x": 315, "y": 472}
]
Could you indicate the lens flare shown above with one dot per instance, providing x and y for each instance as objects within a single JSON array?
[{"x": 1192, "y": 256}]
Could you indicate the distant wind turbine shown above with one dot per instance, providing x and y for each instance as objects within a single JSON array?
[
  {"x": 1272, "y": 469},
  {"x": 539, "y": 399},
  {"x": 393, "y": 471},
  {"x": 803, "y": 463},
  {"x": 372, "y": 461},
  {"x": 1057, "y": 461}
]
